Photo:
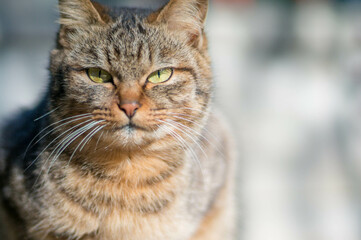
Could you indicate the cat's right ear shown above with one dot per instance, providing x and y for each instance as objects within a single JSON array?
[
  {"x": 77, "y": 14},
  {"x": 185, "y": 18}
]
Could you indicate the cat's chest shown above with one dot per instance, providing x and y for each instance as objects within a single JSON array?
[
  {"x": 171, "y": 223},
  {"x": 105, "y": 210}
]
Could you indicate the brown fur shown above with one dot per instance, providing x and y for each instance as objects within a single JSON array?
[{"x": 92, "y": 173}]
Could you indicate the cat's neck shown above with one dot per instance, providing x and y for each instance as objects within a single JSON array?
[
  {"x": 133, "y": 181},
  {"x": 143, "y": 165}
]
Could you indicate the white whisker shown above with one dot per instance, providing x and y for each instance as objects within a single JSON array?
[
  {"x": 90, "y": 135},
  {"x": 188, "y": 135},
  {"x": 183, "y": 143},
  {"x": 75, "y": 118},
  {"x": 96, "y": 145},
  {"x": 67, "y": 141},
  {"x": 194, "y": 122},
  {"x": 70, "y": 138},
  {"x": 191, "y": 130},
  {"x": 193, "y": 109},
  {"x": 46, "y": 114},
  {"x": 76, "y": 149},
  {"x": 56, "y": 147},
  {"x": 53, "y": 142}
]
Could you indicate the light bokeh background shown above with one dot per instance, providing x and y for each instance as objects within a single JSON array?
[{"x": 288, "y": 77}]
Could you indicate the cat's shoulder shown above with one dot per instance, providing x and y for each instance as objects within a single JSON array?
[{"x": 17, "y": 131}]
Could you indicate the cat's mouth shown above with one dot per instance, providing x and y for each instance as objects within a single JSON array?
[{"x": 130, "y": 127}]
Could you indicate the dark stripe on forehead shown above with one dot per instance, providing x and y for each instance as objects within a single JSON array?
[
  {"x": 150, "y": 56},
  {"x": 141, "y": 29},
  {"x": 116, "y": 50},
  {"x": 107, "y": 53},
  {"x": 92, "y": 52},
  {"x": 140, "y": 49}
]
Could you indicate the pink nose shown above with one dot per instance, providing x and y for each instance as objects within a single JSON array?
[{"x": 129, "y": 108}]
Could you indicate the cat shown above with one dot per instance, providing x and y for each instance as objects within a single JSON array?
[{"x": 125, "y": 144}]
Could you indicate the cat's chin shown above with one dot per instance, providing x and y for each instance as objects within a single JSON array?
[
  {"x": 129, "y": 137},
  {"x": 130, "y": 128}
]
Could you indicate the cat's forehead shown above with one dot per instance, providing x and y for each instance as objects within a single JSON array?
[
  {"x": 128, "y": 28},
  {"x": 133, "y": 40},
  {"x": 129, "y": 45}
]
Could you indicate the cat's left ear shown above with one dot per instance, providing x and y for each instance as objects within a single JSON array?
[
  {"x": 186, "y": 17},
  {"x": 81, "y": 13},
  {"x": 77, "y": 15}
]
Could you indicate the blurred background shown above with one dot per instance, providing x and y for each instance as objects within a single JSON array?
[{"x": 288, "y": 78}]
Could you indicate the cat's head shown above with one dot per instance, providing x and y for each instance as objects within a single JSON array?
[{"x": 134, "y": 76}]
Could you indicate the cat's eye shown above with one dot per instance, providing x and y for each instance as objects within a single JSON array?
[
  {"x": 99, "y": 75},
  {"x": 160, "y": 76}
]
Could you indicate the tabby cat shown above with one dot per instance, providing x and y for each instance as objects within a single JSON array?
[{"x": 124, "y": 145}]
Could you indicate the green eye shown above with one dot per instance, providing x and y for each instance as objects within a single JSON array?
[
  {"x": 99, "y": 75},
  {"x": 160, "y": 76}
]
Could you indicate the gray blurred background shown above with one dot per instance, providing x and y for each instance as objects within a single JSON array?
[{"x": 288, "y": 77}]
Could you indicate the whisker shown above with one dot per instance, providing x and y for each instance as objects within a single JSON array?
[
  {"x": 193, "y": 109},
  {"x": 75, "y": 118},
  {"x": 186, "y": 147},
  {"x": 47, "y": 160},
  {"x": 71, "y": 137},
  {"x": 217, "y": 146},
  {"x": 115, "y": 139},
  {"x": 179, "y": 139},
  {"x": 67, "y": 141},
  {"x": 187, "y": 108},
  {"x": 183, "y": 114},
  {"x": 53, "y": 142},
  {"x": 90, "y": 135},
  {"x": 184, "y": 143},
  {"x": 188, "y": 134},
  {"x": 101, "y": 135},
  {"x": 46, "y": 114},
  {"x": 76, "y": 149},
  {"x": 190, "y": 130}
]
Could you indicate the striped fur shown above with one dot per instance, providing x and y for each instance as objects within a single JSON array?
[{"x": 84, "y": 170}]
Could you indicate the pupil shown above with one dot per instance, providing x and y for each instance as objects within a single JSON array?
[{"x": 158, "y": 74}]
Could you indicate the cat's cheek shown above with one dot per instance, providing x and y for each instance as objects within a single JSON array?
[
  {"x": 163, "y": 96},
  {"x": 180, "y": 98},
  {"x": 90, "y": 96}
]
